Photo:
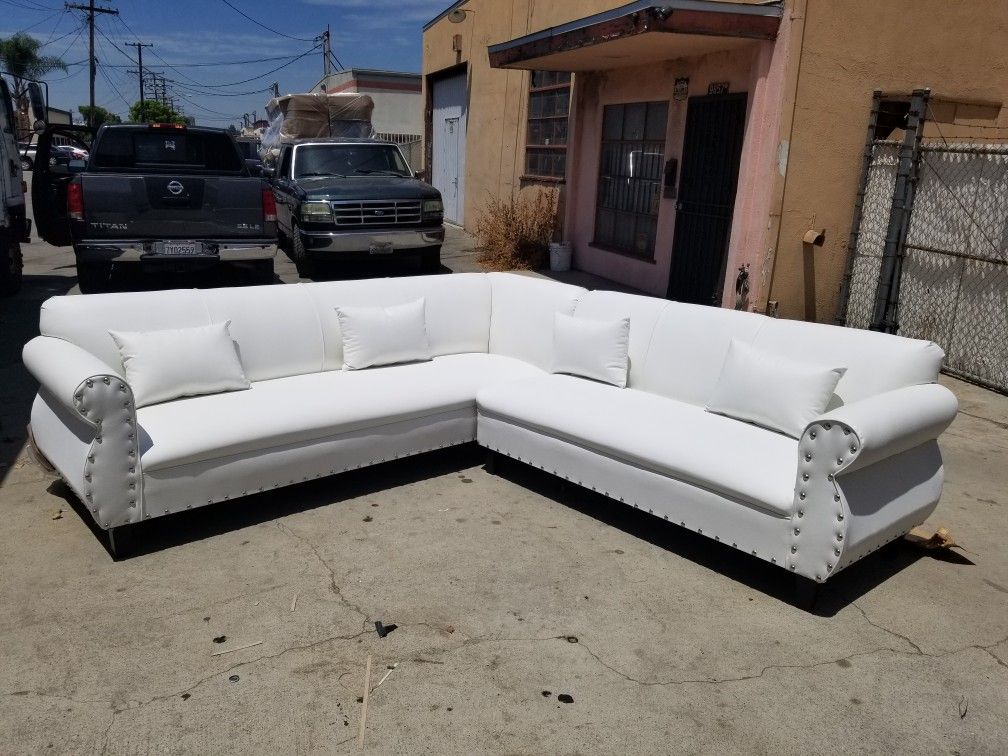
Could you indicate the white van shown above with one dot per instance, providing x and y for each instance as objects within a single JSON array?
[{"x": 15, "y": 227}]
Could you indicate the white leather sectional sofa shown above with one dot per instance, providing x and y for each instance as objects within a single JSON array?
[{"x": 860, "y": 474}]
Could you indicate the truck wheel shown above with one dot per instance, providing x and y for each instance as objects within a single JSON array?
[
  {"x": 263, "y": 271},
  {"x": 93, "y": 277},
  {"x": 11, "y": 264},
  {"x": 303, "y": 261},
  {"x": 430, "y": 260},
  {"x": 26, "y": 164}
]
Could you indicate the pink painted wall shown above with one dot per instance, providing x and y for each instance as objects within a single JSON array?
[{"x": 756, "y": 68}]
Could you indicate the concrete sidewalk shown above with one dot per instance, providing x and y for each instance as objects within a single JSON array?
[{"x": 508, "y": 591}]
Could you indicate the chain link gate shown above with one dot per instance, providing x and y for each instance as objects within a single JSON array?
[{"x": 929, "y": 259}]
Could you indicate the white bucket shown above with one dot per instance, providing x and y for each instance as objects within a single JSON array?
[{"x": 560, "y": 256}]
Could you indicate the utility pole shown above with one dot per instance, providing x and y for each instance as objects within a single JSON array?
[
  {"x": 276, "y": 89},
  {"x": 139, "y": 48},
  {"x": 326, "y": 54},
  {"x": 91, "y": 9}
]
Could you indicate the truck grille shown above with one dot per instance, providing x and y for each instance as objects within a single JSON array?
[{"x": 376, "y": 212}]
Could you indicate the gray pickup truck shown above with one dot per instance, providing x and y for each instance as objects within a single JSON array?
[
  {"x": 161, "y": 196},
  {"x": 344, "y": 199}
]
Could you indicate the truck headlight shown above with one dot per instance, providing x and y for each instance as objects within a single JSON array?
[
  {"x": 316, "y": 212},
  {"x": 433, "y": 207}
]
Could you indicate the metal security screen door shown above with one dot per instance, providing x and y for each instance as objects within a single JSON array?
[
  {"x": 712, "y": 148},
  {"x": 448, "y": 132}
]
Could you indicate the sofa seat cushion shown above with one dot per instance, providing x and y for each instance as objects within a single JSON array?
[
  {"x": 302, "y": 408},
  {"x": 735, "y": 459}
]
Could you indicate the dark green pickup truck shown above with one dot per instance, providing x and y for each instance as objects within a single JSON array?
[{"x": 340, "y": 199}]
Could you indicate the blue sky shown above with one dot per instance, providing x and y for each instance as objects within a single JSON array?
[{"x": 382, "y": 34}]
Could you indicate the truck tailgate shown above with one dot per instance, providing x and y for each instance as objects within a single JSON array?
[{"x": 171, "y": 206}]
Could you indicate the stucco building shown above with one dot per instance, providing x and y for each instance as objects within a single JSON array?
[{"x": 692, "y": 139}]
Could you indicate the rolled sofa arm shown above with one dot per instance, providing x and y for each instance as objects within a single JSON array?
[
  {"x": 846, "y": 439},
  {"x": 94, "y": 392}
]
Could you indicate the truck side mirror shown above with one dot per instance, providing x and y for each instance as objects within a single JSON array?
[{"x": 418, "y": 175}]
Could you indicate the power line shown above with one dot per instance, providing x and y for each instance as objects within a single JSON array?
[
  {"x": 263, "y": 75},
  {"x": 263, "y": 26},
  {"x": 115, "y": 89},
  {"x": 38, "y": 23},
  {"x": 35, "y": 7},
  {"x": 219, "y": 62},
  {"x": 203, "y": 85},
  {"x": 79, "y": 30},
  {"x": 55, "y": 27}
]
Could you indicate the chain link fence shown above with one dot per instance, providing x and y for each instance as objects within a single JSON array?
[
  {"x": 951, "y": 285},
  {"x": 410, "y": 145}
]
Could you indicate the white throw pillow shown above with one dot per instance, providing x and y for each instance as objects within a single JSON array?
[
  {"x": 165, "y": 365},
  {"x": 383, "y": 335},
  {"x": 596, "y": 349},
  {"x": 772, "y": 391}
]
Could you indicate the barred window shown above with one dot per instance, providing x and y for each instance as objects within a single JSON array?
[
  {"x": 630, "y": 177},
  {"x": 546, "y": 140}
]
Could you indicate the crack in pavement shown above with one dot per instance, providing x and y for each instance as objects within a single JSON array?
[
  {"x": 480, "y": 640},
  {"x": 717, "y": 681},
  {"x": 885, "y": 629},
  {"x": 333, "y": 584},
  {"x": 998, "y": 423},
  {"x": 721, "y": 680},
  {"x": 990, "y": 653},
  {"x": 239, "y": 665},
  {"x": 921, "y": 652}
]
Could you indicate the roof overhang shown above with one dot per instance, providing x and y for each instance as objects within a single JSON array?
[{"x": 640, "y": 32}]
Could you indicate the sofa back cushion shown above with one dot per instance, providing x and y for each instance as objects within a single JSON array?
[
  {"x": 275, "y": 327},
  {"x": 165, "y": 365},
  {"x": 688, "y": 349},
  {"x": 643, "y": 313},
  {"x": 87, "y": 320},
  {"x": 522, "y": 314},
  {"x": 875, "y": 362},
  {"x": 383, "y": 335},
  {"x": 772, "y": 390},
  {"x": 457, "y": 309}
]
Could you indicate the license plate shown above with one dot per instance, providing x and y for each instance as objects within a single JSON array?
[
  {"x": 179, "y": 248},
  {"x": 381, "y": 248}
]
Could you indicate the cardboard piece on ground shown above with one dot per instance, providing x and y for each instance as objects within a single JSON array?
[{"x": 940, "y": 539}]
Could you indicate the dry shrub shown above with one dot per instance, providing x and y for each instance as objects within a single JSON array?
[{"x": 515, "y": 233}]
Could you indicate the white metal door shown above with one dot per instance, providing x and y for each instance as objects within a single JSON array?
[{"x": 448, "y": 130}]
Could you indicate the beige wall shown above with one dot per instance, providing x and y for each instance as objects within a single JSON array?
[
  {"x": 851, "y": 48},
  {"x": 495, "y": 138},
  {"x": 839, "y": 51}
]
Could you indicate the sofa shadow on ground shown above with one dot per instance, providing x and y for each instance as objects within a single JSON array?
[
  {"x": 195, "y": 525},
  {"x": 18, "y": 325},
  {"x": 721, "y": 560}
]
